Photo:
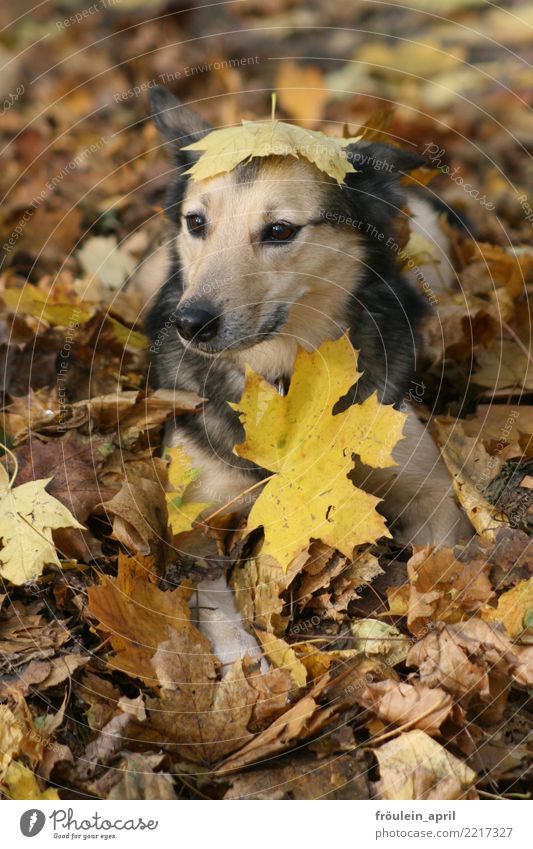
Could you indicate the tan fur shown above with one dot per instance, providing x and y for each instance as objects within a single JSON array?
[
  {"x": 315, "y": 275},
  {"x": 217, "y": 483},
  {"x": 417, "y": 493}
]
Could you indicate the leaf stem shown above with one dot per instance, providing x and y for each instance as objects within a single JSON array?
[
  {"x": 236, "y": 498},
  {"x": 274, "y": 98}
]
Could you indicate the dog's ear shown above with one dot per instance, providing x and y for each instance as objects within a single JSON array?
[
  {"x": 374, "y": 192},
  {"x": 177, "y": 124},
  {"x": 380, "y": 158}
]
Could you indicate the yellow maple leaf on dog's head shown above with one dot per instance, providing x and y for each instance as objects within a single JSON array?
[
  {"x": 224, "y": 149},
  {"x": 310, "y": 450}
]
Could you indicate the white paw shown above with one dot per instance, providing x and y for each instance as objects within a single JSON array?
[{"x": 215, "y": 614}]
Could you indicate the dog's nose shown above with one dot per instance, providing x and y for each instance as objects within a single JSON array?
[{"x": 195, "y": 322}]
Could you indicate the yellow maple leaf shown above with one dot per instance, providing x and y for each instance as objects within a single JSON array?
[
  {"x": 311, "y": 453},
  {"x": 21, "y": 783},
  {"x": 28, "y": 514},
  {"x": 126, "y": 336},
  {"x": 514, "y": 611},
  {"x": 33, "y": 301},
  {"x": 414, "y": 766},
  {"x": 226, "y": 148},
  {"x": 282, "y": 656},
  {"x": 181, "y": 513}
]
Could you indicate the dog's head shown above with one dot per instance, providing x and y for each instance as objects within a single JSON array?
[{"x": 274, "y": 249}]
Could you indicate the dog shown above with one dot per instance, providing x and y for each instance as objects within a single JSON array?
[{"x": 274, "y": 255}]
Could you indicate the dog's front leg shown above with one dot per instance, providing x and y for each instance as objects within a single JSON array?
[
  {"x": 417, "y": 493},
  {"x": 213, "y": 606},
  {"x": 218, "y": 482}
]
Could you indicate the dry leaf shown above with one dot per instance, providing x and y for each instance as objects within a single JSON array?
[
  {"x": 28, "y": 514},
  {"x": 380, "y": 640},
  {"x": 514, "y": 611},
  {"x": 444, "y": 588},
  {"x": 506, "y": 366},
  {"x": 138, "y": 779},
  {"x": 413, "y": 766},
  {"x": 472, "y": 469},
  {"x": 138, "y": 615},
  {"x": 75, "y": 462},
  {"x": 139, "y": 509},
  {"x": 416, "y": 704},
  {"x": 224, "y": 149},
  {"x": 305, "y": 776},
  {"x": 302, "y": 92},
  {"x": 100, "y": 255},
  {"x": 181, "y": 513},
  {"x": 202, "y": 718}
]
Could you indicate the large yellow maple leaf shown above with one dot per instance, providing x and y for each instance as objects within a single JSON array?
[
  {"x": 311, "y": 453},
  {"x": 224, "y": 149}
]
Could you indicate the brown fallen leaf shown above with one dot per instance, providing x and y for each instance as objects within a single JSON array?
[
  {"x": 137, "y": 778},
  {"x": 443, "y": 588},
  {"x": 329, "y": 581},
  {"x": 284, "y": 731},
  {"x": 139, "y": 509},
  {"x": 475, "y": 662},
  {"x": 304, "y": 776},
  {"x": 472, "y": 469},
  {"x": 302, "y": 92},
  {"x": 101, "y": 696},
  {"x": 108, "y": 742},
  {"x": 42, "y": 674},
  {"x": 199, "y": 717},
  {"x": 510, "y": 558},
  {"x": 399, "y": 703},
  {"x": 442, "y": 662},
  {"x": 258, "y": 584},
  {"x": 301, "y": 721},
  {"x": 75, "y": 462},
  {"x": 505, "y": 366},
  {"x": 33, "y": 412},
  {"x": 134, "y": 411},
  {"x": 25, "y": 634},
  {"x": 137, "y": 615},
  {"x": 414, "y": 766}
]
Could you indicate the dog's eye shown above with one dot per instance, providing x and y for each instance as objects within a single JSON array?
[
  {"x": 195, "y": 224},
  {"x": 280, "y": 231}
]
